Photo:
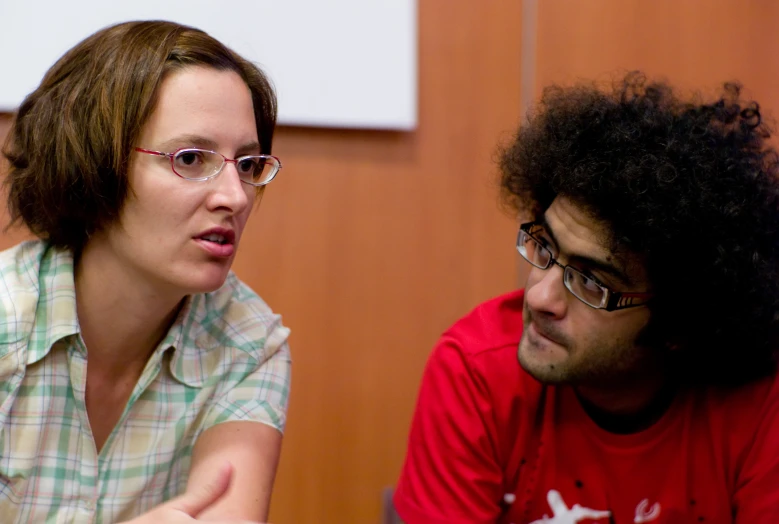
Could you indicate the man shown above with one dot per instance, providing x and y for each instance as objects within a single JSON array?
[{"x": 633, "y": 380}]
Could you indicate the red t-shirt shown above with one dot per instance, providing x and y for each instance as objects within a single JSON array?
[{"x": 490, "y": 444}]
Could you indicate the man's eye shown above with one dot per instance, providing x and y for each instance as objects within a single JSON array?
[
  {"x": 590, "y": 283},
  {"x": 542, "y": 238}
]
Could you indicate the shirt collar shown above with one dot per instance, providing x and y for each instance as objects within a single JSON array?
[
  {"x": 197, "y": 338},
  {"x": 55, "y": 314}
]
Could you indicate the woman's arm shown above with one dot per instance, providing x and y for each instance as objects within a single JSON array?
[{"x": 253, "y": 449}]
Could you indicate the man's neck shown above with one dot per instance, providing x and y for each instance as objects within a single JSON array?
[{"x": 628, "y": 412}]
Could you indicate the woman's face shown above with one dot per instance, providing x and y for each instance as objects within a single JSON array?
[{"x": 180, "y": 235}]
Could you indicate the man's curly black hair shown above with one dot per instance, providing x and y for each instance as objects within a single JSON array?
[{"x": 692, "y": 187}]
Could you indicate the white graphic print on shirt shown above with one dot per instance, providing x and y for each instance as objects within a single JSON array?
[
  {"x": 646, "y": 514},
  {"x": 562, "y": 514}
]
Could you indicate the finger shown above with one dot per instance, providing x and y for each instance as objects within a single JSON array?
[{"x": 197, "y": 500}]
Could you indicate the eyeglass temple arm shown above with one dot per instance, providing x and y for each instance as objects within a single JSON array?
[
  {"x": 150, "y": 152},
  {"x": 625, "y": 300}
]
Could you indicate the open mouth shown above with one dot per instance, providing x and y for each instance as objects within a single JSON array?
[{"x": 218, "y": 239}]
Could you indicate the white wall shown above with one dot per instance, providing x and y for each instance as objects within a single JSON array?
[{"x": 335, "y": 63}]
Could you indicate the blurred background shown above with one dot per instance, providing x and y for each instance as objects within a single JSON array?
[{"x": 370, "y": 243}]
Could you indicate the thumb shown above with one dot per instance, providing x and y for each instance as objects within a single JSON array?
[{"x": 192, "y": 502}]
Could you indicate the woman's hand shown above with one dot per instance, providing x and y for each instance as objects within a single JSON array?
[{"x": 185, "y": 508}]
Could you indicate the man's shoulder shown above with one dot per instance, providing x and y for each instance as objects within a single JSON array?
[
  {"x": 752, "y": 401},
  {"x": 481, "y": 349},
  {"x": 495, "y": 324}
]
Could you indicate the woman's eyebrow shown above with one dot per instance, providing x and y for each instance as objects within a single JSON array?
[
  {"x": 252, "y": 148},
  {"x": 190, "y": 140},
  {"x": 202, "y": 142}
]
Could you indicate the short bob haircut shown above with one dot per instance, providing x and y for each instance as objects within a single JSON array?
[
  {"x": 70, "y": 142},
  {"x": 690, "y": 185}
]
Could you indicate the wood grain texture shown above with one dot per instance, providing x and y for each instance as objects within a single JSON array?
[
  {"x": 694, "y": 45},
  {"x": 371, "y": 244}
]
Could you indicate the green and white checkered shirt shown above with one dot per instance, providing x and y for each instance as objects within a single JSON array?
[{"x": 225, "y": 358}]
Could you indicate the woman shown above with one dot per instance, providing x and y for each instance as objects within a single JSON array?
[{"x": 134, "y": 366}]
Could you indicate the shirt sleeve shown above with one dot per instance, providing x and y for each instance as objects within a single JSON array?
[
  {"x": 756, "y": 498},
  {"x": 256, "y": 389},
  {"x": 451, "y": 474}
]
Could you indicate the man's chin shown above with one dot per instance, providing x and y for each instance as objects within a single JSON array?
[{"x": 540, "y": 364}]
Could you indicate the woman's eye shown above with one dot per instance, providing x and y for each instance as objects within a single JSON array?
[
  {"x": 188, "y": 159},
  {"x": 246, "y": 165}
]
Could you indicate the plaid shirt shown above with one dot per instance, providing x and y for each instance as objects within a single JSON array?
[{"x": 225, "y": 358}]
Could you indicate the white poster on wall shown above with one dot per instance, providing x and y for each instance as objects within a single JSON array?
[{"x": 334, "y": 63}]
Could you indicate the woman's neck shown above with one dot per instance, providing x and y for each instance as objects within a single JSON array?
[{"x": 122, "y": 316}]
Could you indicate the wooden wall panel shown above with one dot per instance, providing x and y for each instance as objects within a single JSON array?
[
  {"x": 695, "y": 45},
  {"x": 370, "y": 244},
  {"x": 5, "y": 121}
]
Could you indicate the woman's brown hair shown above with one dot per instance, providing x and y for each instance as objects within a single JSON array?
[{"x": 70, "y": 142}]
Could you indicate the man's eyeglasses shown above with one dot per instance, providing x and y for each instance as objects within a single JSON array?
[
  {"x": 584, "y": 287},
  {"x": 202, "y": 164}
]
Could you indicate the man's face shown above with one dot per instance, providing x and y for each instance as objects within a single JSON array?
[{"x": 564, "y": 339}]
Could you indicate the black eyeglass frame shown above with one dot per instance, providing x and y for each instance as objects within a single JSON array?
[{"x": 612, "y": 301}]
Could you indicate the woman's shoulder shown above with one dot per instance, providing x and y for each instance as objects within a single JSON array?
[
  {"x": 20, "y": 264},
  {"x": 235, "y": 315},
  {"x": 229, "y": 332},
  {"x": 20, "y": 274},
  {"x": 235, "y": 301}
]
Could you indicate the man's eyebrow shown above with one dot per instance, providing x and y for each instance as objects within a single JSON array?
[{"x": 586, "y": 260}]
